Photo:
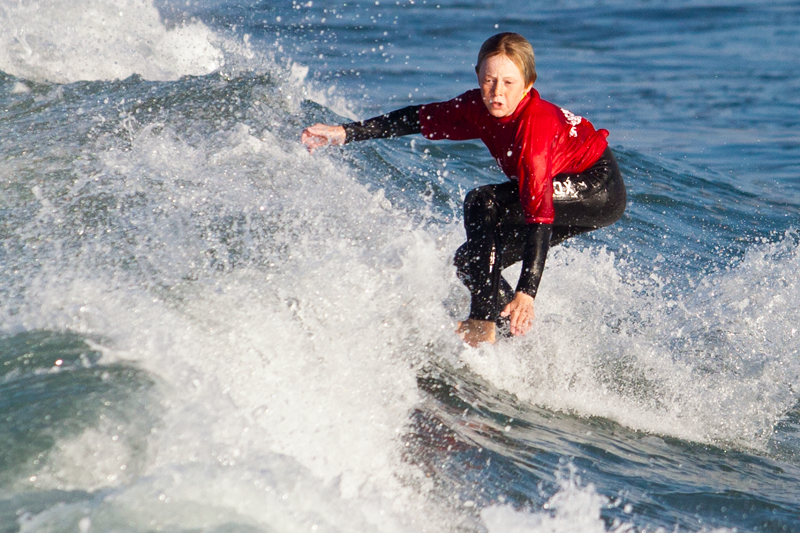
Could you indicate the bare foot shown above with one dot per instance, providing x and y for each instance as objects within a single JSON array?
[{"x": 474, "y": 332}]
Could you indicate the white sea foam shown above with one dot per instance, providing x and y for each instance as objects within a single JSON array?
[
  {"x": 574, "y": 507},
  {"x": 714, "y": 364},
  {"x": 284, "y": 389},
  {"x": 64, "y": 41}
]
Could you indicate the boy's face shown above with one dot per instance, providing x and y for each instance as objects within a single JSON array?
[{"x": 502, "y": 85}]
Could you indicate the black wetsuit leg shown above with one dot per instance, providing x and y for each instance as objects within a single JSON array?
[
  {"x": 496, "y": 229},
  {"x": 479, "y": 261}
]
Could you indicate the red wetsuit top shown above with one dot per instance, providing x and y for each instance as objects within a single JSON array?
[{"x": 533, "y": 144}]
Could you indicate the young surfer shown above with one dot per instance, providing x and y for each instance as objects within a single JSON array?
[{"x": 563, "y": 179}]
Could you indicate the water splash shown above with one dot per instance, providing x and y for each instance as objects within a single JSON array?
[
  {"x": 65, "y": 41},
  {"x": 713, "y": 364}
]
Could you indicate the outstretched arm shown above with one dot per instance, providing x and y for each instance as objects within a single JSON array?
[{"x": 395, "y": 124}]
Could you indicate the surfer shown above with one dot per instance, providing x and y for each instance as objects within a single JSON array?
[{"x": 563, "y": 179}]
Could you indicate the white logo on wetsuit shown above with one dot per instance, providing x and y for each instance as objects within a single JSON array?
[
  {"x": 567, "y": 189},
  {"x": 572, "y": 120}
]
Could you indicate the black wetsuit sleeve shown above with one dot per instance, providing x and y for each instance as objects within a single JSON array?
[
  {"x": 537, "y": 243},
  {"x": 395, "y": 124}
]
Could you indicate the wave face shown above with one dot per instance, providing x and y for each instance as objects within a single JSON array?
[{"x": 205, "y": 328}]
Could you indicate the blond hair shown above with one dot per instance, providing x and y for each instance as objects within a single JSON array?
[{"x": 515, "y": 47}]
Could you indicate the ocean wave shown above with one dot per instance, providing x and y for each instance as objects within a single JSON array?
[{"x": 64, "y": 41}]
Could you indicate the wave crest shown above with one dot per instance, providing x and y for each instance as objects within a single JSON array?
[{"x": 63, "y": 41}]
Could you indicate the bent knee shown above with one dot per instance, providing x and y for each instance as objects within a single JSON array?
[{"x": 481, "y": 198}]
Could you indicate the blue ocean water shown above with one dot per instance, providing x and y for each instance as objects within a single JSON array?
[{"x": 205, "y": 328}]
